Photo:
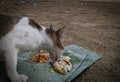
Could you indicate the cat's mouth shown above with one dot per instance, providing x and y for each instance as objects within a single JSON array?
[{"x": 57, "y": 56}]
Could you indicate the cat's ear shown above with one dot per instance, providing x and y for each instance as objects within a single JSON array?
[
  {"x": 50, "y": 30},
  {"x": 51, "y": 27},
  {"x": 59, "y": 32}
]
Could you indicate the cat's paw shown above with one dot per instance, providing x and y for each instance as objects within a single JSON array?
[{"x": 21, "y": 78}]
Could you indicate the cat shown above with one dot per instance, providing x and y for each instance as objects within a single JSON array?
[{"x": 23, "y": 33}]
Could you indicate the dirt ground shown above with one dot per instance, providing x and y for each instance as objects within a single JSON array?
[{"x": 91, "y": 25}]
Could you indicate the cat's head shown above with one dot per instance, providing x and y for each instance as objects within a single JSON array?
[
  {"x": 52, "y": 39},
  {"x": 56, "y": 37}
]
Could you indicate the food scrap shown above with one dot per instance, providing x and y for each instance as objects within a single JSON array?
[
  {"x": 43, "y": 57},
  {"x": 63, "y": 65}
]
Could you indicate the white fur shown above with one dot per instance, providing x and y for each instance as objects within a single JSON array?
[{"x": 25, "y": 37}]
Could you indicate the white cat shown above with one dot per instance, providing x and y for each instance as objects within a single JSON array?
[{"x": 18, "y": 34}]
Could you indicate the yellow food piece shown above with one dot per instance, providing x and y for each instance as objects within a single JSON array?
[{"x": 59, "y": 71}]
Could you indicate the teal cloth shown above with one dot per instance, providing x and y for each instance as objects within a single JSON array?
[{"x": 39, "y": 72}]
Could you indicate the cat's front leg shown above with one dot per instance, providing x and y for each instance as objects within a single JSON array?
[{"x": 11, "y": 64}]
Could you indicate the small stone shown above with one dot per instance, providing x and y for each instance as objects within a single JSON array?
[
  {"x": 2, "y": 2},
  {"x": 35, "y": 4}
]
